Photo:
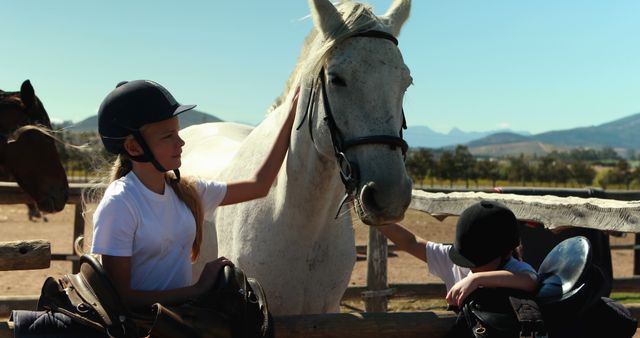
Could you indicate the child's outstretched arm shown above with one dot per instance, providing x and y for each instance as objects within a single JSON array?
[
  {"x": 405, "y": 240},
  {"x": 525, "y": 281},
  {"x": 259, "y": 185}
]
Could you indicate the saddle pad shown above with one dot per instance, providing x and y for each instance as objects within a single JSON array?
[{"x": 45, "y": 324}]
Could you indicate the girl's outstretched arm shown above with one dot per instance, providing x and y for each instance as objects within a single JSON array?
[{"x": 259, "y": 185}]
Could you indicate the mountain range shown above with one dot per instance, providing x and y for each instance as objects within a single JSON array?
[{"x": 621, "y": 134}]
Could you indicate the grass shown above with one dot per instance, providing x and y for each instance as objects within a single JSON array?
[{"x": 626, "y": 297}]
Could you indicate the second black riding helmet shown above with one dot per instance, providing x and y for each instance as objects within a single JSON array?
[
  {"x": 485, "y": 231},
  {"x": 127, "y": 108}
]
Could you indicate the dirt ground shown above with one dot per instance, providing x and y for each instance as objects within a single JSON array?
[{"x": 14, "y": 225}]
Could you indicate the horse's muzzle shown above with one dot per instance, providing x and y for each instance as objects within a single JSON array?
[
  {"x": 54, "y": 201},
  {"x": 379, "y": 207}
]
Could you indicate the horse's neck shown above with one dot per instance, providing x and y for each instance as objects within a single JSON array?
[{"x": 310, "y": 181}]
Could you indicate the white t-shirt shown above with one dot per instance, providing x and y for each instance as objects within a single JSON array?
[
  {"x": 440, "y": 265},
  {"x": 156, "y": 231}
]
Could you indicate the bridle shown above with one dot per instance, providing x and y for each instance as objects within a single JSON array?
[{"x": 349, "y": 172}]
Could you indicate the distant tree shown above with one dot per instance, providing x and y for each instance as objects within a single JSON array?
[
  {"x": 621, "y": 174},
  {"x": 419, "y": 163},
  {"x": 583, "y": 154},
  {"x": 488, "y": 169},
  {"x": 582, "y": 173},
  {"x": 543, "y": 171},
  {"x": 561, "y": 173},
  {"x": 519, "y": 170},
  {"x": 446, "y": 169},
  {"x": 608, "y": 153},
  {"x": 635, "y": 175},
  {"x": 464, "y": 163}
]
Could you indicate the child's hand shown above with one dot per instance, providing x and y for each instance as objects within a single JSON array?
[
  {"x": 294, "y": 103},
  {"x": 461, "y": 290}
]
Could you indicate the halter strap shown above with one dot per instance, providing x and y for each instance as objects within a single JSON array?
[
  {"x": 377, "y": 34},
  {"x": 147, "y": 155}
]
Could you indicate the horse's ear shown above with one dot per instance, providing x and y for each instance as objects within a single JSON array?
[
  {"x": 326, "y": 17},
  {"x": 27, "y": 94},
  {"x": 397, "y": 14}
]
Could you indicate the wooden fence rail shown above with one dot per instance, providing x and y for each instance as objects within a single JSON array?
[{"x": 11, "y": 193}]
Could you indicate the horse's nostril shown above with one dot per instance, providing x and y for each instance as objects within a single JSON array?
[{"x": 368, "y": 197}]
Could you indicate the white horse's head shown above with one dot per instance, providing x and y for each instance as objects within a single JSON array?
[{"x": 354, "y": 80}]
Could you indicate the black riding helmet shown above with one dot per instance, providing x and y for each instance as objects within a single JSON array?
[
  {"x": 485, "y": 231},
  {"x": 127, "y": 108}
]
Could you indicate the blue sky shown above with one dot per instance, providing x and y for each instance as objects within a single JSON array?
[{"x": 477, "y": 65}]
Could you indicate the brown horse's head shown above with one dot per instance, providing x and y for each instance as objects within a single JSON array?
[{"x": 28, "y": 153}]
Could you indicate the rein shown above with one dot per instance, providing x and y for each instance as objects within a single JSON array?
[{"x": 349, "y": 171}]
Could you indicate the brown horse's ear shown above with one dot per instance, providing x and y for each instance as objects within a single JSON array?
[{"x": 27, "y": 94}]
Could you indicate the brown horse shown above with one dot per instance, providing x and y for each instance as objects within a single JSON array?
[{"x": 28, "y": 153}]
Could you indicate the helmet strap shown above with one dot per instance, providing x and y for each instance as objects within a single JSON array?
[{"x": 147, "y": 155}]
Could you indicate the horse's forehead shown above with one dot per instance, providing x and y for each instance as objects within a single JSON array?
[
  {"x": 13, "y": 112},
  {"x": 366, "y": 55}
]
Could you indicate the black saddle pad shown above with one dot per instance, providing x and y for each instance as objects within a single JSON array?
[{"x": 45, "y": 324}]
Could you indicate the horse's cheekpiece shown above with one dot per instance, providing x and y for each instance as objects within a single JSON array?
[
  {"x": 235, "y": 308},
  {"x": 570, "y": 303}
]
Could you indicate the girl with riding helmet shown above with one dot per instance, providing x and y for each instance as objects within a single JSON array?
[
  {"x": 148, "y": 224},
  {"x": 487, "y": 234}
]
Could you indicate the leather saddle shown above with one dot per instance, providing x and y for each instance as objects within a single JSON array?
[
  {"x": 570, "y": 286},
  {"x": 89, "y": 298},
  {"x": 235, "y": 307}
]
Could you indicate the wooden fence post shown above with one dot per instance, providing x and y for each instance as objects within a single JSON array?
[
  {"x": 375, "y": 298},
  {"x": 636, "y": 256},
  {"x": 78, "y": 230}
]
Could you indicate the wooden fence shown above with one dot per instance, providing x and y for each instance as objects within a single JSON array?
[
  {"x": 552, "y": 211},
  {"x": 11, "y": 193}
]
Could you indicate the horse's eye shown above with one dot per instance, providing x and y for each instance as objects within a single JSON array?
[{"x": 337, "y": 81}]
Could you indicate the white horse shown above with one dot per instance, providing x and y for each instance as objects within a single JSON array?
[{"x": 349, "y": 124}]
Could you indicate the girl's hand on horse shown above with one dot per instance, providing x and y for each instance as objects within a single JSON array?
[
  {"x": 294, "y": 103},
  {"x": 210, "y": 274}
]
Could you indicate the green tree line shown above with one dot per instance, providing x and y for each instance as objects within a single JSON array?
[{"x": 578, "y": 167}]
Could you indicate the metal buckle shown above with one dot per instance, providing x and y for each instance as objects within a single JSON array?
[
  {"x": 345, "y": 166},
  {"x": 83, "y": 308}
]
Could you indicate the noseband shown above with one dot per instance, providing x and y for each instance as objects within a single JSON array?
[{"x": 349, "y": 173}]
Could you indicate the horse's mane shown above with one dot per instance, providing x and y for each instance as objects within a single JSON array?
[
  {"x": 44, "y": 130},
  {"x": 357, "y": 18}
]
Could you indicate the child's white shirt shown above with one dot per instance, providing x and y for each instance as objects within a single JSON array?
[{"x": 440, "y": 265}]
